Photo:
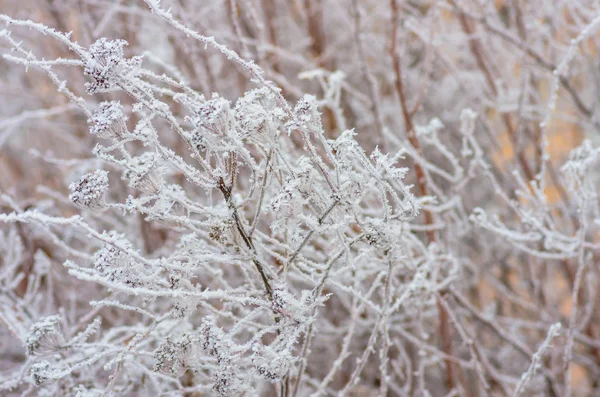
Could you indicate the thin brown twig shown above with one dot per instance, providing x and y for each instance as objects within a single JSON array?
[{"x": 444, "y": 325}]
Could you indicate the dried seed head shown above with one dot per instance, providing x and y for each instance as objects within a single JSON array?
[
  {"x": 89, "y": 191},
  {"x": 256, "y": 113},
  {"x": 45, "y": 336},
  {"x": 106, "y": 65},
  {"x": 144, "y": 173},
  {"x": 214, "y": 116},
  {"x": 220, "y": 230},
  {"x": 109, "y": 120},
  {"x": 116, "y": 266}
]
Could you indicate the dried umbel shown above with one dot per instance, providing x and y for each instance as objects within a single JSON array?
[
  {"x": 116, "y": 266},
  {"x": 214, "y": 116},
  {"x": 45, "y": 336},
  {"x": 257, "y": 115},
  {"x": 89, "y": 191},
  {"x": 213, "y": 120},
  {"x": 107, "y": 67},
  {"x": 144, "y": 173},
  {"x": 287, "y": 305},
  {"x": 109, "y": 120}
]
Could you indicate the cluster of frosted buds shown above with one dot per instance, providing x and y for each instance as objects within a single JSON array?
[
  {"x": 109, "y": 120},
  {"x": 289, "y": 202},
  {"x": 106, "y": 65},
  {"x": 187, "y": 305},
  {"x": 144, "y": 174},
  {"x": 290, "y": 198},
  {"x": 285, "y": 303},
  {"x": 218, "y": 345},
  {"x": 172, "y": 357},
  {"x": 40, "y": 372},
  {"x": 183, "y": 307},
  {"x": 273, "y": 362},
  {"x": 45, "y": 336},
  {"x": 294, "y": 310},
  {"x": 107, "y": 260},
  {"x": 89, "y": 191},
  {"x": 227, "y": 381},
  {"x": 214, "y": 340},
  {"x": 294, "y": 193}
]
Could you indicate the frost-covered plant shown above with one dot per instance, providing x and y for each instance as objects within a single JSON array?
[
  {"x": 109, "y": 120},
  {"x": 107, "y": 67},
  {"x": 325, "y": 198},
  {"x": 45, "y": 336},
  {"x": 89, "y": 191}
]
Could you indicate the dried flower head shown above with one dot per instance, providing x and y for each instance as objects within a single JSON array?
[
  {"x": 144, "y": 173},
  {"x": 109, "y": 120},
  {"x": 214, "y": 116},
  {"x": 106, "y": 65},
  {"x": 45, "y": 336},
  {"x": 228, "y": 378},
  {"x": 116, "y": 266},
  {"x": 256, "y": 113},
  {"x": 89, "y": 191}
]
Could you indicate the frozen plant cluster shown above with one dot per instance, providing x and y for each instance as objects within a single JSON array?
[{"x": 304, "y": 198}]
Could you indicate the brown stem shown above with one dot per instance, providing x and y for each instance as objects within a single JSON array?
[
  {"x": 314, "y": 20},
  {"x": 247, "y": 240},
  {"x": 533, "y": 54},
  {"x": 370, "y": 79},
  {"x": 476, "y": 50},
  {"x": 445, "y": 333}
]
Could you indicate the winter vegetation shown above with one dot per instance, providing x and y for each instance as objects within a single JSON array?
[{"x": 299, "y": 198}]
